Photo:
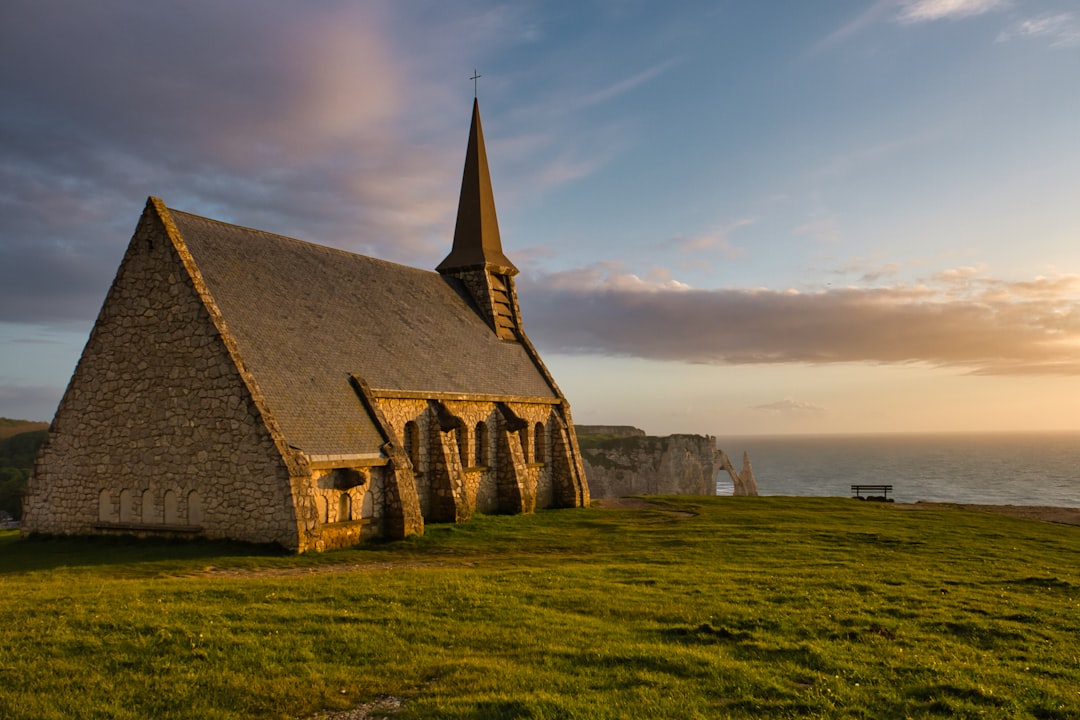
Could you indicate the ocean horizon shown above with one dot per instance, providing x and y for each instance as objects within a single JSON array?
[{"x": 990, "y": 468}]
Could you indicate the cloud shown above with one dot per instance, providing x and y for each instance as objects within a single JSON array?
[
  {"x": 790, "y": 406},
  {"x": 301, "y": 119},
  {"x": 1061, "y": 30},
  {"x": 970, "y": 321},
  {"x": 866, "y": 17},
  {"x": 609, "y": 277},
  {"x": 715, "y": 239},
  {"x": 915, "y": 11},
  {"x": 883, "y": 271},
  {"x": 910, "y": 12},
  {"x": 627, "y": 84}
]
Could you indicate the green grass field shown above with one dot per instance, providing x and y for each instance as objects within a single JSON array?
[{"x": 700, "y": 608}]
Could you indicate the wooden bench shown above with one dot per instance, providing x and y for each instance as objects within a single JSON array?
[{"x": 871, "y": 492}]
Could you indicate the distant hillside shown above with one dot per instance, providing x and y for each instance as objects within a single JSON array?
[
  {"x": 19, "y": 444},
  {"x": 9, "y": 427}
]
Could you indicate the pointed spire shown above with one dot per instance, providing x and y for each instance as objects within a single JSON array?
[{"x": 476, "y": 236}]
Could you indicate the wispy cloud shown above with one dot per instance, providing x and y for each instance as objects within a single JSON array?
[
  {"x": 866, "y": 17},
  {"x": 716, "y": 239},
  {"x": 865, "y": 157},
  {"x": 1059, "y": 30},
  {"x": 869, "y": 273},
  {"x": 907, "y": 12},
  {"x": 962, "y": 319},
  {"x": 915, "y": 11},
  {"x": 625, "y": 85},
  {"x": 790, "y": 406}
]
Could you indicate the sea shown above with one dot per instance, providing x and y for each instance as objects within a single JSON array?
[{"x": 977, "y": 468}]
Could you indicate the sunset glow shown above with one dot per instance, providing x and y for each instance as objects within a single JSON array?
[{"x": 736, "y": 218}]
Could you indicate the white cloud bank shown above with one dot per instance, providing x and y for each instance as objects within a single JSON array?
[{"x": 959, "y": 318}]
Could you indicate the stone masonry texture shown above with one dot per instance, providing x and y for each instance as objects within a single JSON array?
[{"x": 157, "y": 406}]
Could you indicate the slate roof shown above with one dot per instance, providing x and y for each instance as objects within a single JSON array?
[{"x": 305, "y": 316}]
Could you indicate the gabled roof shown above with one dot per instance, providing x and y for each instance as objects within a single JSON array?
[
  {"x": 477, "y": 243},
  {"x": 304, "y": 317}
]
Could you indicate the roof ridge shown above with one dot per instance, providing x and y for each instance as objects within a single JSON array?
[{"x": 289, "y": 238}]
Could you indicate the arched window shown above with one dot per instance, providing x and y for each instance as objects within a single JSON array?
[
  {"x": 539, "y": 443},
  {"x": 127, "y": 506},
  {"x": 147, "y": 504},
  {"x": 105, "y": 507},
  {"x": 344, "y": 508},
  {"x": 412, "y": 444},
  {"x": 171, "y": 506},
  {"x": 481, "y": 444},
  {"x": 194, "y": 508}
]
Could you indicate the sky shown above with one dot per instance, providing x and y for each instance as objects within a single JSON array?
[{"x": 732, "y": 218}]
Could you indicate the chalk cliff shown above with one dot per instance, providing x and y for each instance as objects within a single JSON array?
[{"x": 622, "y": 460}]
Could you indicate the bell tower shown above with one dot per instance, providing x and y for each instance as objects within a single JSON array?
[{"x": 477, "y": 257}]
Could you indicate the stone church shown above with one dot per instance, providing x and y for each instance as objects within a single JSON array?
[{"x": 244, "y": 385}]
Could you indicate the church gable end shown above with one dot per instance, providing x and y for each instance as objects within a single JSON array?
[{"x": 157, "y": 431}]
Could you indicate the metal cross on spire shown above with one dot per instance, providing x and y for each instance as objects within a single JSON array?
[{"x": 474, "y": 77}]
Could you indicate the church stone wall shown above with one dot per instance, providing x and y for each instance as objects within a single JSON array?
[
  {"x": 157, "y": 432},
  {"x": 451, "y": 470},
  {"x": 350, "y": 506}
]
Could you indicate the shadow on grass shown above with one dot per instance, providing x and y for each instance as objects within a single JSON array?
[
  {"x": 18, "y": 554},
  {"x": 1045, "y": 583},
  {"x": 704, "y": 634},
  {"x": 947, "y": 700}
]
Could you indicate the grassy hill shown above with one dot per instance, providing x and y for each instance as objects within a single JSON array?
[
  {"x": 688, "y": 608},
  {"x": 9, "y": 427}
]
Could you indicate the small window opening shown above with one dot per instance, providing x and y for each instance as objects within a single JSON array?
[
  {"x": 539, "y": 443},
  {"x": 481, "y": 444},
  {"x": 412, "y": 444}
]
